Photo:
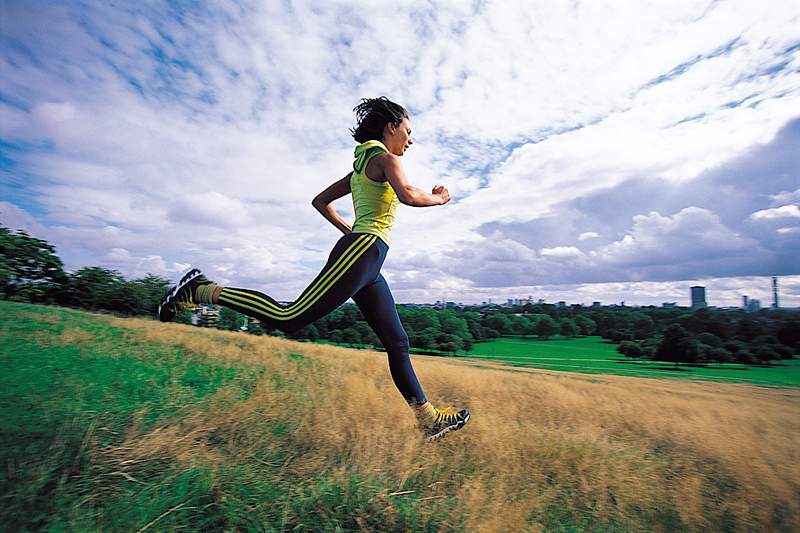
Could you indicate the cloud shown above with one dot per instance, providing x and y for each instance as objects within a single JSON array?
[
  {"x": 588, "y": 235},
  {"x": 561, "y": 251},
  {"x": 784, "y": 211}
]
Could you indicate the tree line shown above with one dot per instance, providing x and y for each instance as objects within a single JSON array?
[{"x": 30, "y": 271}]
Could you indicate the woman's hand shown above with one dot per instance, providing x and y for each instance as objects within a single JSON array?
[{"x": 442, "y": 192}]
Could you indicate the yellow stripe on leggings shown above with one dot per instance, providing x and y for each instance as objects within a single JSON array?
[
  {"x": 320, "y": 280},
  {"x": 333, "y": 275}
]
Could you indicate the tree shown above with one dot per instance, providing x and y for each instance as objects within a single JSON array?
[
  {"x": 229, "y": 319},
  {"x": 351, "y": 336},
  {"x": 585, "y": 324},
  {"x": 789, "y": 334},
  {"x": 519, "y": 325},
  {"x": 568, "y": 327},
  {"x": 147, "y": 293},
  {"x": 677, "y": 346},
  {"x": 98, "y": 288},
  {"x": 30, "y": 270},
  {"x": 630, "y": 349},
  {"x": 546, "y": 327},
  {"x": 497, "y": 321}
]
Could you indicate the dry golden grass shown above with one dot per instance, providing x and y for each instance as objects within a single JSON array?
[{"x": 626, "y": 451}]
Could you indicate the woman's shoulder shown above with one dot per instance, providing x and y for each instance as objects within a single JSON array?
[{"x": 376, "y": 168}]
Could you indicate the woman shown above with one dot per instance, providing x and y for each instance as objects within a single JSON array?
[{"x": 377, "y": 183}]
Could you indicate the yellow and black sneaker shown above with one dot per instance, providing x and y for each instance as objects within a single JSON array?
[
  {"x": 183, "y": 295},
  {"x": 447, "y": 420}
]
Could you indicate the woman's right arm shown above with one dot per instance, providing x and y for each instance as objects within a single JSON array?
[
  {"x": 407, "y": 193},
  {"x": 322, "y": 202}
]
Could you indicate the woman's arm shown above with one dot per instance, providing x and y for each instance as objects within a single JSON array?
[
  {"x": 407, "y": 193},
  {"x": 322, "y": 203}
]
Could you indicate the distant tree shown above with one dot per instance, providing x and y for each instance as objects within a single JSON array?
[
  {"x": 183, "y": 316},
  {"x": 585, "y": 324},
  {"x": 677, "y": 346},
  {"x": 546, "y": 327},
  {"x": 447, "y": 342},
  {"x": 229, "y": 319},
  {"x": 630, "y": 349},
  {"x": 789, "y": 334},
  {"x": 720, "y": 355},
  {"x": 424, "y": 339},
  {"x": 147, "y": 293},
  {"x": 746, "y": 357},
  {"x": 498, "y": 322},
  {"x": 568, "y": 327},
  {"x": 99, "y": 288},
  {"x": 748, "y": 329},
  {"x": 519, "y": 325},
  {"x": 642, "y": 325},
  {"x": 710, "y": 339},
  {"x": 351, "y": 336},
  {"x": 30, "y": 270}
]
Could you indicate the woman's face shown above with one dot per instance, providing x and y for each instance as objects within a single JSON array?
[{"x": 398, "y": 139}]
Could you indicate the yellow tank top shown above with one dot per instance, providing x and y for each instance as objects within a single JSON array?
[{"x": 374, "y": 202}]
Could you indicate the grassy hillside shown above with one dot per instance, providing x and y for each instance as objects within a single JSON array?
[
  {"x": 110, "y": 424},
  {"x": 592, "y": 355}
]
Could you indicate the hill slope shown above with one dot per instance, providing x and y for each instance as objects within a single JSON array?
[{"x": 127, "y": 424}]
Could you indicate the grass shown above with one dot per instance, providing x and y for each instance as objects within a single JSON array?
[
  {"x": 114, "y": 424},
  {"x": 592, "y": 355}
]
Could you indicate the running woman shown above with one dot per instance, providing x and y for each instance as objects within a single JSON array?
[{"x": 377, "y": 183}]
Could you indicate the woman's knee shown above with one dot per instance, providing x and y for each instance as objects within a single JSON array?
[{"x": 397, "y": 343}]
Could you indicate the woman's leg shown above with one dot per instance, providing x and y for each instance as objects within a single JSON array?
[
  {"x": 354, "y": 261},
  {"x": 377, "y": 305}
]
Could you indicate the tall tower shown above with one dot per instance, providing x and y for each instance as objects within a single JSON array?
[
  {"x": 774, "y": 292},
  {"x": 698, "y": 297}
]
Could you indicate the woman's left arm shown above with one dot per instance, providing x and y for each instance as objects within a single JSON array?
[{"x": 322, "y": 202}]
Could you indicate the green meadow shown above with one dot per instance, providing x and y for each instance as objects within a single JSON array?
[{"x": 593, "y": 355}]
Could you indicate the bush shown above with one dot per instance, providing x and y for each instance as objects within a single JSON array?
[
  {"x": 630, "y": 349},
  {"x": 744, "y": 356},
  {"x": 783, "y": 351},
  {"x": 766, "y": 353}
]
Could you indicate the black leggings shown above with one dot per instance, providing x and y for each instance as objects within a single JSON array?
[{"x": 352, "y": 270}]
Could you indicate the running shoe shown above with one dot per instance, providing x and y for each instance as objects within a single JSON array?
[
  {"x": 447, "y": 420},
  {"x": 181, "y": 295}
]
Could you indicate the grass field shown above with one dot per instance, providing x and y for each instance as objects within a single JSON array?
[
  {"x": 591, "y": 355},
  {"x": 110, "y": 424}
]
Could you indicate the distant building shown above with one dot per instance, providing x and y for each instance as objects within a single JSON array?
[
  {"x": 698, "y": 297},
  {"x": 753, "y": 305},
  {"x": 669, "y": 305},
  {"x": 774, "y": 292},
  {"x": 205, "y": 316},
  {"x": 744, "y": 302},
  {"x": 596, "y": 304},
  {"x": 509, "y": 302},
  {"x": 562, "y": 303}
]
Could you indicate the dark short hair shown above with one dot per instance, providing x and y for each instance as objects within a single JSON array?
[{"x": 372, "y": 115}]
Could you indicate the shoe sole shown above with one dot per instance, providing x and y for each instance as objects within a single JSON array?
[
  {"x": 460, "y": 424},
  {"x": 169, "y": 299}
]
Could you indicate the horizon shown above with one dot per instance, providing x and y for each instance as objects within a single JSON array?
[{"x": 593, "y": 153}]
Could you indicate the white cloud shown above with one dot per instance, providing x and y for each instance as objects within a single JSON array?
[
  {"x": 561, "y": 251},
  {"x": 693, "y": 234},
  {"x": 588, "y": 235},
  {"x": 788, "y": 230},
  {"x": 784, "y": 211},
  {"x": 785, "y": 197}
]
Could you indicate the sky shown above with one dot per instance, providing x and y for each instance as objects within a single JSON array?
[{"x": 595, "y": 151}]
